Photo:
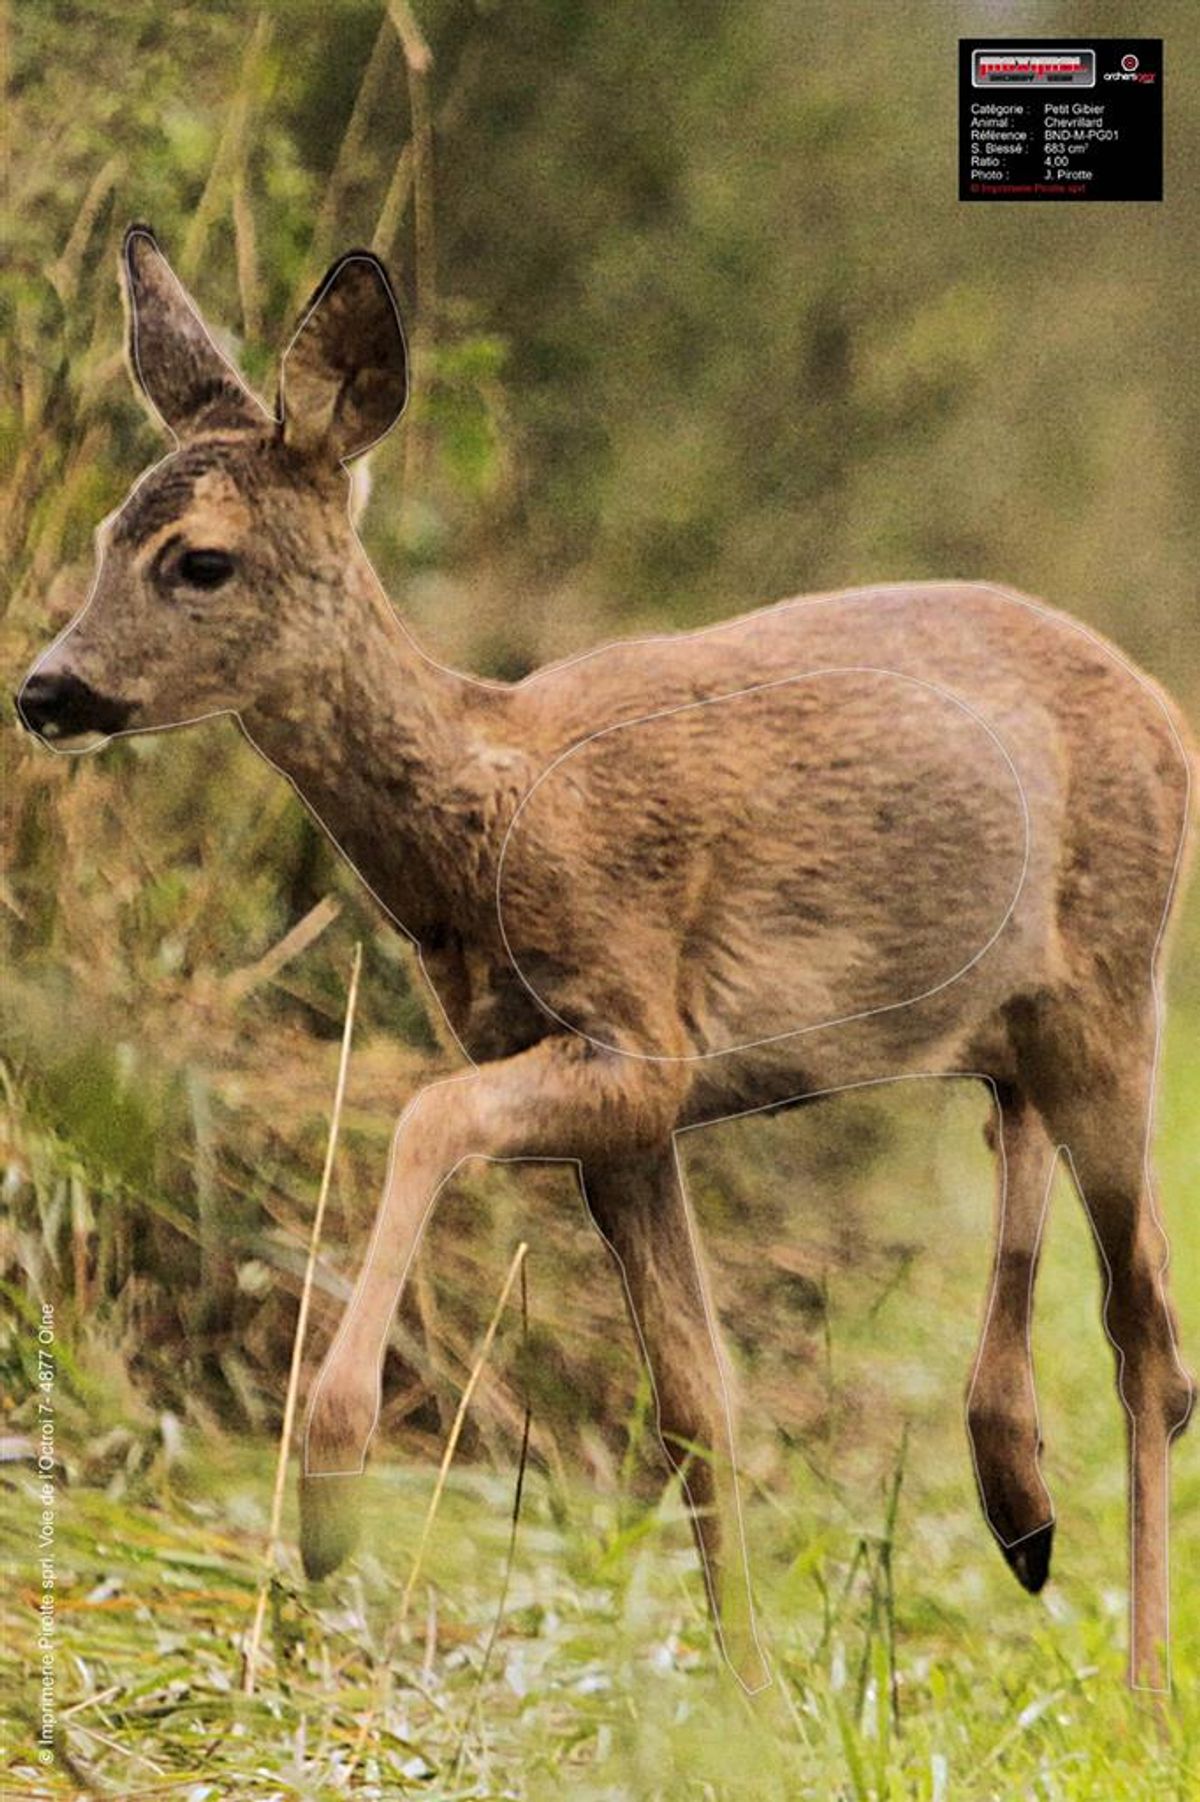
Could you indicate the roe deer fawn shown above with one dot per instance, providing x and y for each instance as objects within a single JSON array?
[{"x": 912, "y": 830}]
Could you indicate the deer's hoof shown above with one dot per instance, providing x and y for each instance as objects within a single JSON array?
[
  {"x": 749, "y": 1666},
  {"x": 330, "y": 1522},
  {"x": 1030, "y": 1558}
]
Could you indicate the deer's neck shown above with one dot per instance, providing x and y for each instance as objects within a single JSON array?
[{"x": 394, "y": 755}]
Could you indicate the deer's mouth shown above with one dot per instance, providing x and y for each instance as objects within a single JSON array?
[{"x": 60, "y": 707}]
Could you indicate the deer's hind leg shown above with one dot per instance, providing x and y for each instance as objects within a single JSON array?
[
  {"x": 1097, "y": 1105},
  {"x": 1002, "y": 1413},
  {"x": 641, "y": 1211}
]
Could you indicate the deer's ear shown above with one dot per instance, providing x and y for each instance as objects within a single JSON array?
[
  {"x": 187, "y": 381},
  {"x": 344, "y": 380}
]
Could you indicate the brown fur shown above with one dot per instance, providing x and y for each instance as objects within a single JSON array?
[{"x": 931, "y": 828}]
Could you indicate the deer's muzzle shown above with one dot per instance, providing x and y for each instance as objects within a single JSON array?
[{"x": 61, "y": 705}]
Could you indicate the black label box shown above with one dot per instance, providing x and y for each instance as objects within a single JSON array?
[{"x": 1060, "y": 119}]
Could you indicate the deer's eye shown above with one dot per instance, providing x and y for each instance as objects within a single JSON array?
[{"x": 205, "y": 569}]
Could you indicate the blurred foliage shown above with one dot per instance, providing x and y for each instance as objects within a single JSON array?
[
  {"x": 704, "y": 323},
  {"x": 698, "y": 321}
]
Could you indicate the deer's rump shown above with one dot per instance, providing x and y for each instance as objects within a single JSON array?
[{"x": 763, "y": 863}]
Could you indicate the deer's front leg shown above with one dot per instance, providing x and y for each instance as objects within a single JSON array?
[
  {"x": 641, "y": 1210},
  {"x": 559, "y": 1100}
]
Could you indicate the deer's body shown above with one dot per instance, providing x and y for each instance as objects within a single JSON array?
[{"x": 910, "y": 830}]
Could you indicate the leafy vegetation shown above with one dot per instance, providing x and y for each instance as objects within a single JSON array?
[{"x": 697, "y": 322}]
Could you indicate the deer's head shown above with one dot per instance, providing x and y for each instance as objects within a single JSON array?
[{"x": 218, "y": 581}]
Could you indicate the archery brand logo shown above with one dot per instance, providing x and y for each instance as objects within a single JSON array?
[
  {"x": 1033, "y": 68},
  {"x": 1131, "y": 70}
]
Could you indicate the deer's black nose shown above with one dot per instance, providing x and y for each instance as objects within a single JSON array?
[{"x": 61, "y": 705}]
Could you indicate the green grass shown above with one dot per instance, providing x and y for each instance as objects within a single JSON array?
[
  {"x": 603, "y": 1671},
  {"x": 907, "y": 1663}
]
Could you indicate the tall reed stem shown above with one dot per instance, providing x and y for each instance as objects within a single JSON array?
[{"x": 254, "y": 1640}]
